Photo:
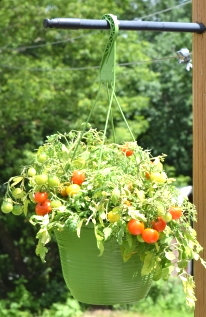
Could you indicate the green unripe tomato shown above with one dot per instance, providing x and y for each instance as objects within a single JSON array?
[
  {"x": 31, "y": 172},
  {"x": 167, "y": 217},
  {"x": 6, "y": 207},
  {"x": 53, "y": 181},
  {"x": 17, "y": 210},
  {"x": 18, "y": 193},
  {"x": 41, "y": 158},
  {"x": 56, "y": 203},
  {"x": 160, "y": 210},
  {"x": 41, "y": 179}
]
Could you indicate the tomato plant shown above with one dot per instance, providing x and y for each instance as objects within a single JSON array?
[
  {"x": 43, "y": 208},
  {"x": 73, "y": 189},
  {"x": 40, "y": 197},
  {"x": 150, "y": 235},
  {"x": 78, "y": 177},
  {"x": 135, "y": 227},
  {"x": 124, "y": 199},
  {"x": 176, "y": 212},
  {"x": 159, "y": 224}
]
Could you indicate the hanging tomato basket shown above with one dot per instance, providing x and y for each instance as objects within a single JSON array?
[
  {"x": 100, "y": 280},
  {"x": 118, "y": 219}
]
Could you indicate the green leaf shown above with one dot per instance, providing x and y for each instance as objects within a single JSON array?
[
  {"x": 115, "y": 195},
  {"x": 129, "y": 239},
  {"x": 189, "y": 286},
  {"x": 41, "y": 250},
  {"x": 99, "y": 238},
  {"x": 157, "y": 273},
  {"x": 135, "y": 214},
  {"x": 16, "y": 180},
  {"x": 43, "y": 235},
  {"x": 170, "y": 256},
  {"x": 107, "y": 233},
  {"x": 85, "y": 155},
  {"x": 79, "y": 227},
  {"x": 100, "y": 246},
  {"x": 120, "y": 235},
  {"x": 166, "y": 272},
  {"x": 149, "y": 263}
]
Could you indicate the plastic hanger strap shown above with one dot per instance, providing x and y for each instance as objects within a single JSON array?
[{"x": 107, "y": 67}]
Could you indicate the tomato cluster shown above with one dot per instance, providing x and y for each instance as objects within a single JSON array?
[
  {"x": 127, "y": 150},
  {"x": 77, "y": 178},
  {"x": 44, "y": 205},
  {"x": 136, "y": 227},
  {"x": 151, "y": 235}
]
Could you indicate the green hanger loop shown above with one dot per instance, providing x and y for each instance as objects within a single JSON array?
[{"x": 107, "y": 67}]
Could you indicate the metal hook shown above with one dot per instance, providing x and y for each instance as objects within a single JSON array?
[
  {"x": 107, "y": 67},
  {"x": 185, "y": 57}
]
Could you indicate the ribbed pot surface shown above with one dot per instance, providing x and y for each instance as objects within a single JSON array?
[{"x": 99, "y": 280}]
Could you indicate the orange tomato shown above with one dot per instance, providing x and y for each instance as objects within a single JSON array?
[
  {"x": 150, "y": 235},
  {"x": 176, "y": 212}
]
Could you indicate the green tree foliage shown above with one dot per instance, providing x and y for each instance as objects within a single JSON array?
[
  {"x": 170, "y": 110},
  {"x": 48, "y": 83}
]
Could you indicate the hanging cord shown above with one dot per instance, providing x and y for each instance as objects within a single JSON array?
[{"x": 107, "y": 79}]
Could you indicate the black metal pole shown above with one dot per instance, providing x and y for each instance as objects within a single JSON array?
[{"x": 75, "y": 24}]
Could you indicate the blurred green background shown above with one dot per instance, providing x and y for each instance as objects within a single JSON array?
[{"x": 48, "y": 83}]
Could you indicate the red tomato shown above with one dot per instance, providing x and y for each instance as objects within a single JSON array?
[
  {"x": 159, "y": 225},
  {"x": 43, "y": 208},
  {"x": 135, "y": 227},
  {"x": 126, "y": 150},
  {"x": 40, "y": 197},
  {"x": 78, "y": 177},
  {"x": 176, "y": 212},
  {"x": 150, "y": 235}
]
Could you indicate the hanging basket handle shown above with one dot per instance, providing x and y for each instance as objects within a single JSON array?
[{"x": 107, "y": 67}]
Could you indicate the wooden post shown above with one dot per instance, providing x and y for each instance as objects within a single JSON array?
[{"x": 199, "y": 149}]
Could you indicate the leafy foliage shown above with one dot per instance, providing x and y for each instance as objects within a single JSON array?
[{"x": 164, "y": 299}]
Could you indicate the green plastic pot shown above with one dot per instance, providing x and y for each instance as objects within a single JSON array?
[{"x": 99, "y": 280}]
